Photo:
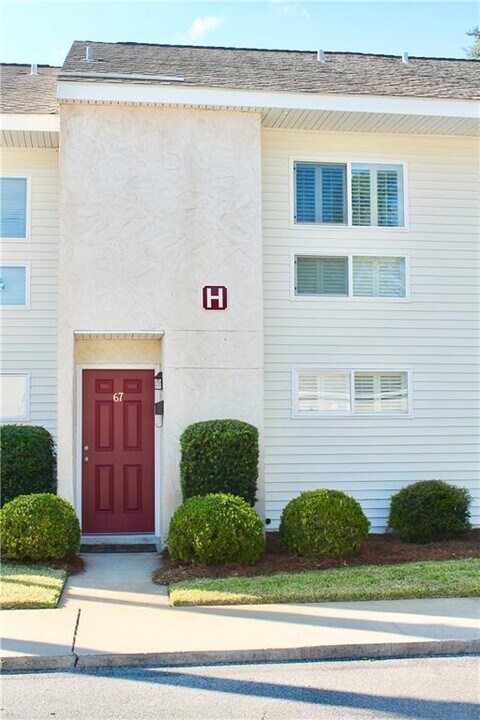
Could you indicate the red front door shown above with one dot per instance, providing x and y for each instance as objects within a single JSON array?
[{"x": 118, "y": 451}]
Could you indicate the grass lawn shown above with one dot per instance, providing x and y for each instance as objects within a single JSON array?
[
  {"x": 450, "y": 578},
  {"x": 30, "y": 586}
]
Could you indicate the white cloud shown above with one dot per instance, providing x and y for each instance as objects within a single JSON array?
[
  {"x": 290, "y": 9},
  {"x": 202, "y": 26}
]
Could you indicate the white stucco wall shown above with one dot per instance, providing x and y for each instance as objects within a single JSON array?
[{"x": 155, "y": 204}]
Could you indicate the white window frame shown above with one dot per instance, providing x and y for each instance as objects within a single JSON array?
[
  {"x": 349, "y": 256},
  {"x": 26, "y": 375},
  {"x": 296, "y": 413},
  {"x": 21, "y": 176},
  {"x": 26, "y": 306},
  {"x": 349, "y": 224}
]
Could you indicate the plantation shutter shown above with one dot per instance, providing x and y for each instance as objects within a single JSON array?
[
  {"x": 323, "y": 392},
  {"x": 13, "y": 285},
  {"x": 13, "y": 207},
  {"x": 379, "y": 277},
  {"x": 321, "y": 276},
  {"x": 361, "y": 197},
  {"x": 305, "y": 193},
  {"x": 333, "y": 193},
  {"x": 320, "y": 193},
  {"x": 13, "y": 397},
  {"x": 381, "y": 393},
  {"x": 377, "y": 195},
  {"x": 388, "y": 198}
]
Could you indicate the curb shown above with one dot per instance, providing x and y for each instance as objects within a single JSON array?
[{"x": 213, "y": 657}]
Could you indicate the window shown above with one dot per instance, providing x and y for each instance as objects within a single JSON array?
[
  {"x": 14, "y": 286},
  {"x": 375, "y": 194},
  {"x": 351, "y": 392},
  {"x": 350, "y": 276},
  {"x": 14, "y": 396},
  {"x": 321, "y": 193},
  {"x": 13, "y": 208}
]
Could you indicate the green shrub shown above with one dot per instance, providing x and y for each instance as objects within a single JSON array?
[
  {"x": 322, "y": 523},
  {"x": 28, "y": 461},
  {"x": 39, "y": 527},
  {"x": 220, "y": 456},
  {"x": 430, "y": 510},
  {"x": 215, "y": 529}
]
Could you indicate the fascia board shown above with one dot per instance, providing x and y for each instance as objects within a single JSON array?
[{"x": 104, "y": 92}]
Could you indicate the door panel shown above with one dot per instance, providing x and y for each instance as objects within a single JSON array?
[{"x": 118, "y": 451}]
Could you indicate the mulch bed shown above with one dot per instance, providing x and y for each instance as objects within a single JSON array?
[{"x": 381, "y": 549}]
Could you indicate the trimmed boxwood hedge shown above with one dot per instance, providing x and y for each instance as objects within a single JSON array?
[
  {"x": 430, "y": 510},
  {"x": 39, "y": 527},
  {"x": 215, "y": 529},
  {"x": 28, "y": 462},
  {"x": 323, "y": 523},
  {"x": 219, "y": 456}
]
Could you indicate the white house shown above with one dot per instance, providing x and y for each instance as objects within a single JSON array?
[{"x": 288, "y": 238}]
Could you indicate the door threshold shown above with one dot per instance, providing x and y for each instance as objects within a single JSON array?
[{"x": 115, "y": 543}]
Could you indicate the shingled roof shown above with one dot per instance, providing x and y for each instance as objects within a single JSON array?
[
  {"x": 21, "y": 92},
  {"x": 282, "y": 70}
]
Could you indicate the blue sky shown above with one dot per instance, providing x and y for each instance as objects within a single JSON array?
[{"x": 43, "y": 31}]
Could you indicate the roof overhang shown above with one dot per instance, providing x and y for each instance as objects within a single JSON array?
[
  {"x": 29, "y": 130},
  {"x": 118, "y": 334},
  {"x": 310, "y": 111}
]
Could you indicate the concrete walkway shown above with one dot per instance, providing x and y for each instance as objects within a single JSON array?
[{"x": 114, "y": 615}]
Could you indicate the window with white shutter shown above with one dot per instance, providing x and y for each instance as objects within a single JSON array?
[
  {"x": 323, "y": 392},
  {"x": 321, "y": 276},
  {"x": 351, "y": 392},
  {"x": 379, "y": 276},
  {"x": 377, "y": 195},
  {"x": 13, "y": 208},
  {"x": 374, "y": 197},
  {"x": 320, "y": 193},
  {"x": 329, "y": 276},
  {"x": 14, "y": 396},
  {"x": 385, "y": 392}
]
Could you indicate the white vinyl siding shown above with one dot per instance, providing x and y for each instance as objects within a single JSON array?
[
  {"x": 13, "y": 207},
  {"x": 355, "y": 392},
  {"x": 14, "y": 397},
  {"x": 29, "y": 335},
  {"x": 371, "y": 276},
  {"x": 435, "y": 333}
]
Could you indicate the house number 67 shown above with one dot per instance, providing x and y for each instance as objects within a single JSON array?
[{"x": 118, "y": 397}]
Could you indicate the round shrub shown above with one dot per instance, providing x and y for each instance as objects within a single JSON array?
[
  {"x": 219, "y": 456},
  {"x": 28, "y": 461},
  {"x": 323, "y": 523},
  {"x": 430, "y": 510},
  {"x": 39, "y": 527},
  {"x": 215, "y": 529}
]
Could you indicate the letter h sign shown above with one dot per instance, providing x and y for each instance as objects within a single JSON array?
[{"x": 214, "y": 297}]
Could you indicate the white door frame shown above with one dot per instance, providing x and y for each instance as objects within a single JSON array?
[{"x": 157, "y": 438}]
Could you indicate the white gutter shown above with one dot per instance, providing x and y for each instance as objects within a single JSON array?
[
  {"x": 123, "y": 76},
  {"x": 131, "y": 93}
]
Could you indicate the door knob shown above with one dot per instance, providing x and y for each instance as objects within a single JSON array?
[
  {"x": 86, "y": 459},
  {"x": 85, "y": 447}
]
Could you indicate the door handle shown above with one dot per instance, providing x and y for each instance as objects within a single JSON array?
[{"x": 86, "y": 459}]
